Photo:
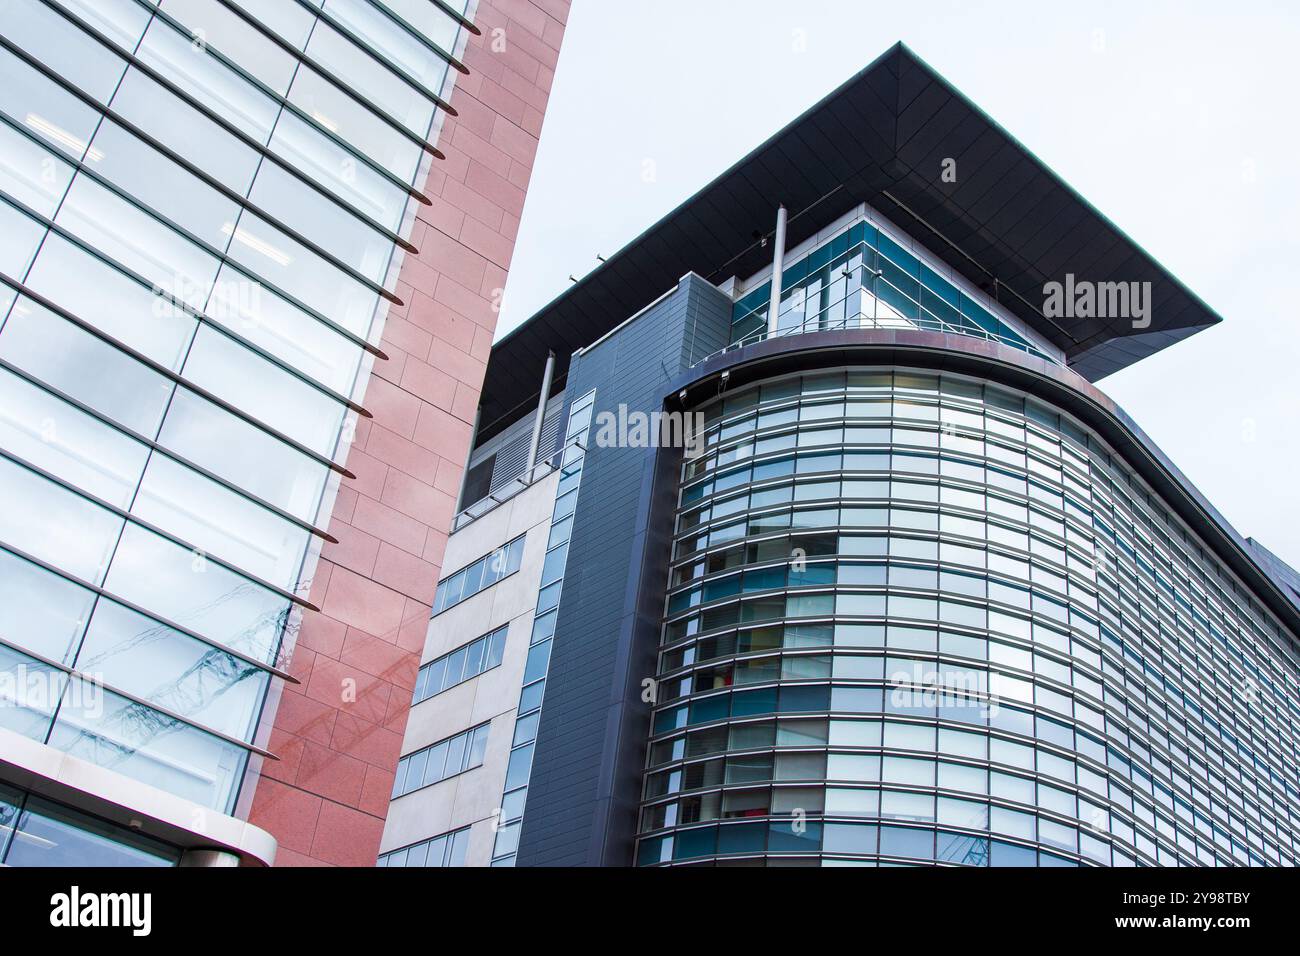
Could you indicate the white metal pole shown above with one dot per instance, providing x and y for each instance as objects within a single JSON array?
[
  {"x": 541, "y": 413},
  {"x": 778, "y": 255}
]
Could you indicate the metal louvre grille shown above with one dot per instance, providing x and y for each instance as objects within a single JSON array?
[{"x": 511, "y": 447}]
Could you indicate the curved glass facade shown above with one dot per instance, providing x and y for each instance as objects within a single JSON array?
[{"x": 917, "y": 619}]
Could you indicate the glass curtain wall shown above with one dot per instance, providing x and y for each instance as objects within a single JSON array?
[
  {"x": 200, "y": 203},
  {"x": 917, "y": 619}
]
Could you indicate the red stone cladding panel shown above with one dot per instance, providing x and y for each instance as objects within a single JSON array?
[{"x": 338, "y": 733}]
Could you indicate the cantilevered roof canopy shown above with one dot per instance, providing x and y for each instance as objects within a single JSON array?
[{"x": 1008, "y": 223}]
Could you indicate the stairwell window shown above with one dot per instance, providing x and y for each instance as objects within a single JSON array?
[
  {"x": 462, "y": 664},
  {"x": 483, "y": 573}
]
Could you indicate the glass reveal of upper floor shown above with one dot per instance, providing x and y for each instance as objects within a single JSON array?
[{"x": 864, "y": 279}]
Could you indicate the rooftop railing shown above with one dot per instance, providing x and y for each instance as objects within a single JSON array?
[
  {"x": 499, "y": 496},
  {"x": 926, "y": 323}
]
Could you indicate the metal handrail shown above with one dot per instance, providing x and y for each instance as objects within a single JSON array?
[
  {"x": 542, "y": 469},
  {"x": 867, "y": 323},
  {"x": 468, "y": 515}
]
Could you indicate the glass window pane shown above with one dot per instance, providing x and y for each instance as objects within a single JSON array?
[
  {"x": 137, "y": 241},
  {"x": 122, "y": 21},
  {"x": 364, "y": 75},
  {"x": 19, "y": 238},
  {"x": 67, "y": 50},
  {"x": 478, "y": 746},
  {"x": 496, "y": 648},
  {"x": 414, "y": 777},
  {"x": 185, "y": 130},
  {"x": 459, "y": 846},
  {"x": 418, "y": 854},
  {"x": 84, "y": 367},
  {"x": 179, "y": 585},
  {"x": 113, "y": 302},
  {"x": 38, "y": 103},
  {"x": 329, "y": 164},
  {"x": 474, "y": 658},
  {"x": 32, "y": 691},
  {"x": 456, "y": 753},
  {"x": 269, "y": 253},
  {"x": 435, "y": 770},
  {"x": 104, "y": 728},
  {"x": 379, "y": 32},
  {"x": 267, "y": 393},
  {"x": 155, "y": 181},
  {"x": 336, "y": 111},
  {"x": 206, "y": 79},
  {"x": 55, "y": 525},
  {"x": 284, "y": 17},
  {"x": 51, "y": 835},
  {"x": 284, "y": 196},
  {"x": 133, "y": 653},
  {"x": 267, "y": 320},
  {"x": 30, "y": 173},
  {"x": 221, "y": 522},
  {"x": 428, "y": 20},
  {"x": 439, "y": 680},
  {"x": 230, "y": 447},
  {"x": 222, "y": 30},
  {"x": 66, "y": 442},
  {"x": 455, "y": 668},
  {"x": 41, "y": 611}
]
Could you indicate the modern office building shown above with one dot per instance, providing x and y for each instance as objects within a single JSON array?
[
  {"x": 250, "y": 255},
  {"x": 914, "y": 590}
]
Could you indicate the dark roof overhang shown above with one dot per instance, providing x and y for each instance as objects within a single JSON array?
[{"x": 1008, "y": 223}]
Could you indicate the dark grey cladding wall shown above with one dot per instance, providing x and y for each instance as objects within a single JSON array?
[{"x": 590, "y": 752}]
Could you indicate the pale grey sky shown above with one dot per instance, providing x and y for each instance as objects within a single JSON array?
[{"x": 1177, "y": 120}]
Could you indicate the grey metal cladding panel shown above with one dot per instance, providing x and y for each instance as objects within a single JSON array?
[
  {"x": 824, "y": 140},
  {"x": 951, "y": 132},
  {"x": 706, "y": 336},
  {"x": 981, "y": 184},
  {"x": 560, "y": 825},
  {"x": 872, "y": 126},
  {"x": 1076, "y": 231},
  {"x": 1044, "y": 220},
  {"x": 977, "y": 160},
  {"x": 1279, "y": 569},
  {"x": 588, "y": 729},
  {"x": 1024, "y": 216},
  {"x": 933, "y": 129},
  {"x": 1013, "y": 173}
]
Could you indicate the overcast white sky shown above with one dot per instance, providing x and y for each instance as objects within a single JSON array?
[{"x": 1177, "y": 120}]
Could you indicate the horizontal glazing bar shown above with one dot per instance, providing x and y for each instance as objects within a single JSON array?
[
  {"x": 170, "y": 714},
  {"x": 176, "y": 377},
  {"x": 283, "y": 101},
  {"x": 264, "y": 149},
  {"x": 416, "y": 33},
  {"x": 377, "y": 55},
  {"x": 163, "y": 450},
  {"x": 150, "y": 526},
  {"x": 146, "y": 612},
  {"x": 196, "y": 313}
]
